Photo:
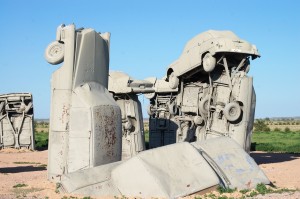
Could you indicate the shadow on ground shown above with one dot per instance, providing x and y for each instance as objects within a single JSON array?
[
  {"x": 268, "y": 158},
  {"x": 21, "y": 169}
]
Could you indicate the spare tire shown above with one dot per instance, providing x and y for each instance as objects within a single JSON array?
[
  {"x": 209, "y": 62},
  {"x": 198, "y": 120},
  {"x": 203, "y": 105},
  {"x": 173, "y": 81},
  {"x": 54, "y": 53},
  {"x": 1, "y": 106},
  {"x": 150, "y": 110},
  {"x": 173, "y": 109},
  {"x": 232, "y": 111},
  {"x": 149, "y": 95}
]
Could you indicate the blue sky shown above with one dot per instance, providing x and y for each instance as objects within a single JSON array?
[{"x": 146, "y": 36}]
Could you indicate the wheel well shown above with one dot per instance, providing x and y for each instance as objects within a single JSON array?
[{"x": 170, "y": 70}]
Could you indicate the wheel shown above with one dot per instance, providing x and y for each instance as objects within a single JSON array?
[
  {"x": 54, "y": 53},
  {"x": 198, "y": 120},
  {"x": 173, "y": 81},
  {"x": 173, "y": 109},
  {"x": 209, "y": 62},
  {"x": 203, "y": 105},
  {"x": 1, "y": 107},
  {"x": 149, "y": 95},
  {"x": 149, "y": 110},
  {"x": 128, "y": 125},
  {"x": 232, "y": 111}
]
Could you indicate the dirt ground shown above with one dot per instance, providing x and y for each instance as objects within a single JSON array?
[{"x": 28, "y": 170}]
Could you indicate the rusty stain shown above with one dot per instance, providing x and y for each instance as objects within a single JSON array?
[
  {"x": 108, "y": 125},
  {"x": 65, "y": 114},
  {"x": 248, "y": 184}
]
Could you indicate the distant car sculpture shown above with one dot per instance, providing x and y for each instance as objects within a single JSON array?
[
  {"x": 124, "y": 90},
  {"x": 214, "y": 95},
  {"x": 16, "y": 121},
  {"x": 90, "y": 125}
]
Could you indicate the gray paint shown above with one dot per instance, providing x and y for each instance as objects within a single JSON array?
[
  {"x": 204, "y": 97},
  {"x": 124, "y": 90},
  {"x": 171, "y": 171},
  {"x": 85, "y": 121},
  {"x": 16, "y": 121},
  {"x": 89, "y": 125}
]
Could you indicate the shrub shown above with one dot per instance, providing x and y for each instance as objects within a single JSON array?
[
  {"x": 261, "y": 126},
  {"x": 287, "y": 129}
]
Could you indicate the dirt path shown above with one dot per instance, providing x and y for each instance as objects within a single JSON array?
[
  {"x": 29, "y": 168},
  {"x": 282, "y": 169}
]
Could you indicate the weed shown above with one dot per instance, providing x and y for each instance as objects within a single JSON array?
[
  {"x": 58, "y": 185},
  {"x": 20, "y": 185},
  {"x": 225, "y": 190},
  {"x": 244, "y": 191},
  {"x": 252, "y": 194}
]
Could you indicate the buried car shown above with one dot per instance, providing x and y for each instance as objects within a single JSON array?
[
  {"x": 201, "y": 104},
  {"x": 203, "y": 52}
]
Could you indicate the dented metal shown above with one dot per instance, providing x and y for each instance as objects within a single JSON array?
[
  {"x": 16, "y": 121},
  {"x": 172, "y": 171}
]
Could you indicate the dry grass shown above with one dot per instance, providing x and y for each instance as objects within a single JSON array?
[{"x": 283, "y": 127}]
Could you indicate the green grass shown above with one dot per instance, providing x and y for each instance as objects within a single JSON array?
[
  {"x": 146, "y": 132},
  {"x": 41, "y": 140},
  {"x": 276, "y": 141}
]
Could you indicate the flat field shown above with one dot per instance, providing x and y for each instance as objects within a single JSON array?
[{"x": 276, "y": 141}]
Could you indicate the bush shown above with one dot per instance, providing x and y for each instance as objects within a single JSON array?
[
  {"x": 261, "y": 126},
  {"x": 287, "y": 129},
  {"x": 277, "y": 129},
  {"x": 41, "y": 141}
]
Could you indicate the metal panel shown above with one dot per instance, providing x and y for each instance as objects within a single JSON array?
[{"x": 233, "y": 165}]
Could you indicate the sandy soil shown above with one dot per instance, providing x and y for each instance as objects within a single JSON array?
[{"x": 29, "y": 168}]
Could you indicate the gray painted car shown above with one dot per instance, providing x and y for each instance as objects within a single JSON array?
[
  {"x": 199, "y": 104},
  {"x": 203, "y": 52},
  {"x": 16, "y": 121},
  {"x": 125, "y": 91}
]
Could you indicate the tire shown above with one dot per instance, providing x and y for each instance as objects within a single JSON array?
[
  {"x": 198, "y": 120},
  {"x": 1, "y": 107},
  {"x": 209, "y": 62},
  {"x": 203, "y": 105},
  {"x": 54, "y": 53},
  {"x": 173, "y": 109},
  {"x": 149, "y": 95},
  {"x": 173, "y": 81},
  {"x": 232, "y": 111},
  {"x": 149, "y": 110}
]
